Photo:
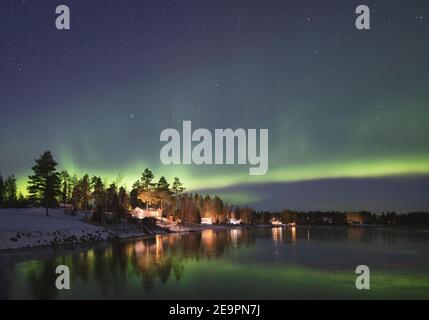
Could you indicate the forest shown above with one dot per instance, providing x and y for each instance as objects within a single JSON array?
[{"x": 49, "y": 188}]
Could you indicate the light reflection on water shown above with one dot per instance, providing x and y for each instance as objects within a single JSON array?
[{"x": 273, "y": 263}]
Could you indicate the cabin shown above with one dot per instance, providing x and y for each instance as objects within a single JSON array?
[
  {"x": 276, "y": 222},
  {"x": 206, "y": 221},
  {"x": 150, "y": 213},
  {"x": 234, "y": 221}
]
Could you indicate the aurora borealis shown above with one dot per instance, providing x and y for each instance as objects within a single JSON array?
[{"x": 343, "y": 107}]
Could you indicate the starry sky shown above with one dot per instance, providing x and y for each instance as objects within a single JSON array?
[{"x": 347, "y": 110}]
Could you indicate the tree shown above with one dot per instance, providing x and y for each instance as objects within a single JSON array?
[
  {"x": 146, "y": 180},
  {"x": 123, "y": 200},
  {"x": 21, "y": 202},
  {"x": 207, "y": 208},
  {"x": 99, "y": 198},
  {"x": 148, "y": 197},
  {"x": 162, "y": 185},
  {"x": 163, "y": 192},
  {"x": 219, "y": 209},
  {"x": 66, "y": 186},
  {"x": 188, "y": 211},
  {"x": 75, "y": 197},
  {"x": 134, "y": 194},
  {"x": 85, "y": 192},
  {"x": 10, "y": 191},
  {"x": 112, "y": 200},
  {"x": 45, "y": 184},
  {"x": 177, "y": 187}
]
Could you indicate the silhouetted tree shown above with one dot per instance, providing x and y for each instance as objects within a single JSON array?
[
  {"x": 134, "y": 195},
  {"x": 44, "y": 184},
  {"x": 65, "y": 187},
  {"x": 177, "y": 187},
  {"x": 146, "y": 180},
  {"x": 99, "y": 198},
  {"x": 85, "y": 192},
  {"x": 10, "y": 191},
  {"x": 123, "y": 200},
  {"x": 163, "y": 192},
  {"x": 112, "y": 200}
]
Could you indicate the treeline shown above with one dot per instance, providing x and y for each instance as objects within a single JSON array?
[
  {"x": 343, "y": 218},
  {"x": 194, "y": 207},
  {"x": 9, "y": 197},
  {"x": 109, "y": 202}
]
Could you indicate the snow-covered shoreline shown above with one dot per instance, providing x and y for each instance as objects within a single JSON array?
[{"x": 26, "y": 228}]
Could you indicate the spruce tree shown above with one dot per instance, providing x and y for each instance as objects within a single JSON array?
[
  {"x": 177, "y": 187},
  {"x": 65, "y": 187},
  {"x": 45, "y": 184},
  {"x": 163, "y": 192},
  {"x": 85, "y": 188},
  {"x": 10, "y": 191},
  {"x": 99, "y": 196}
]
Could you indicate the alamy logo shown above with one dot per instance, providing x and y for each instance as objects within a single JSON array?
[
  {"x": 63, "y": 280},
  {"x": 363, "y": 280},
  {"x": 63, "y": 20},
  {"x": 363, "y": 20},
  {"x": 176, "y": 151}
]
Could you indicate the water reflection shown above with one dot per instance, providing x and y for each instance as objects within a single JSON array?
[
  {"x": 284, "y": 234},
  {"x": 277, "y": 234},
  {"x": 148, "y": 260},
  {"x": 151, "y": 265},
  {"x": 293, "y": 231}
]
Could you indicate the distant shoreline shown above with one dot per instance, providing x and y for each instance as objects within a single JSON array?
[{"x": 30, "y": 228}]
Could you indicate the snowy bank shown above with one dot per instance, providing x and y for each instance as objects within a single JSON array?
[{"x": 22, "y": 228}]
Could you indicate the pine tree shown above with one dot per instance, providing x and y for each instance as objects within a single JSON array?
[
  {"x": 66, "y": 188},
  {"x": 75, "y": 198},
  {"x": 45, "y": 184},
  {"x": 10, "y": 191},
  {"x": 85, "y": 191},
  {"x": 163, "y": 192},
  {"x": 134, "y": 195},
  {"x": 99, "y": 197},
  {"x": 21, "y": 202},
  {"x": 123, "y": 199},
  {"x": 146, "y": 180},
  {"x": 177, "y": 187},
  {"x": 218, "y": 208},
  {"x": 112, "y": 201},
  {"x": 208, "y": 207},
  {"x": 162, "y": 185}
]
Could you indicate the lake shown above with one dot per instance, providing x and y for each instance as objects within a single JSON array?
[{"x": 253, "y": 263}]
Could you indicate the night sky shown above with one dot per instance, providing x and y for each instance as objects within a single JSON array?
[{"x": 347, "y": 110}]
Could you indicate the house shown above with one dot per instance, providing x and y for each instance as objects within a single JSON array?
[
  {"x": 234, "y": 221},
  {"x": 275, "y": 222},
  {"x": 355, "y": 218},
  {"x": 150, "y": 213},
  {"x": 206, "y": 221}
]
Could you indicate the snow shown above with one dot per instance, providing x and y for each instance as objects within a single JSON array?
[{"x": 20, "y": 228}]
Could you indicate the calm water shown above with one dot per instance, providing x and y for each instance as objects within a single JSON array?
[{"x": 309, "y": 262}]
